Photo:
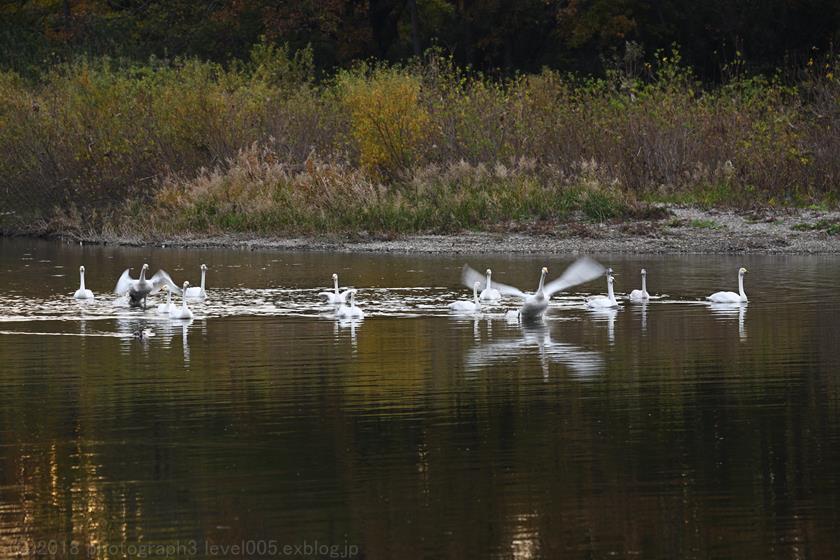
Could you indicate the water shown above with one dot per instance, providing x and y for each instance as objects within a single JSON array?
[{"x": 673, "y": 430}]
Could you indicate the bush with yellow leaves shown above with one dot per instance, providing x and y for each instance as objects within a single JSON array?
[{"x": 387, "y": 119}]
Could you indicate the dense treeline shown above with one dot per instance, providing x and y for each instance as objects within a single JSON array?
[{"x": 523, "y": 35}]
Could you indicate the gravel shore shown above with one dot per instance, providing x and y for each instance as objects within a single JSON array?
[{"x": 686, "y": 230}]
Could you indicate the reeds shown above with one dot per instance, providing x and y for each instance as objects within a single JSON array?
[{"x": 260, "y": 146}]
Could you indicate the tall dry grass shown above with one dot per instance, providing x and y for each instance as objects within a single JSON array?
[{"x": 261, "y": 146}]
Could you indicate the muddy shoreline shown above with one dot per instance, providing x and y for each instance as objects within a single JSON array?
[{"x": 686, "y": 230}]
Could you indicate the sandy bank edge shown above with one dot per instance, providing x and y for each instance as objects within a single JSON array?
[{"x": 689, "y": 230}]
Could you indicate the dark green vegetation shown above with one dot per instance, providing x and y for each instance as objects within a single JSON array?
[
  {"x": 238, "y": 135},
  {"x": 829, "y": 226},
  {"x": 512, "y": 35}
]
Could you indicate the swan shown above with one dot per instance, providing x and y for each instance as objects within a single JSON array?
[
  {"x": 182, "y": 312},
  {"x": 349, "y": 310},
  {"x": 473, "y": 306},
  {"x": 641, "y": 295},
  {"x": 168, "y": 307},
  {"x": 335, "y": 297},
  {"x": 198, "y": 292},
  {"x": 489, "y": 293},
  {"x": 731, "y": 297},
  {"x": 139, "y": 289},
  {"x": 534, "y": 305},
  {"x": 82, "y": 293},
  {"x": 603, "y": 302}
]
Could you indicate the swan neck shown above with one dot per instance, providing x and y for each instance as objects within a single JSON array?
[
  {"x": 81, "y": 280},
  {"x": 610, "y": 291},
  {"x": 475, "y": 294},
  {"x": 542, "y": 283},
  {"x": 741, "y": 286},
  {"x": 488, "y": 281},
  {"x": 203, "y": 274},
  {"x": 168, "y": 298},
  {"x": 644, "y": 284},
  {"x": 142, "y": 274},
  {"x": 335, "y": 284}
]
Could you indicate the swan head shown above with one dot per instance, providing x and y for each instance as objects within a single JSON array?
[
  {"x": 489, "y": 272},
  {"x": 82, "y": 269},
  {"x": 742, "y": 271},
  {"x": 544, "y": 270},
  {"x": 335, "y": 276},
  {"x": 203, "y": 267},
  {"x": 644, "y": 272},
  {"x": 144, "y": 267},
  {"x": 186, "y": 285},
  {"x": 477, "y": 285},
  {"x": 610, "y": 279}
]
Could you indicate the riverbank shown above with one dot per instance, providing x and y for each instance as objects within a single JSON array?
[{"x": 682, "y": 230}]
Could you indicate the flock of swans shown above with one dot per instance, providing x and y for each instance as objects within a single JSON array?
[
  {"x": 583, "y": 270},
  {"x": 138, "y": 289},
  {"x": 486, "y": 292}
]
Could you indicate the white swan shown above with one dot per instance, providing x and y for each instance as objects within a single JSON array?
[
  {"x": 603, "y": 302},
  {"x": 168, "y": 307},
  {"x": 139, "y": 289},
  {"x": 731, "y": 297},
  {"x": 198, "y": 292},
  {"x": 534, "y": 305},
  {"x": 182, "y": 312},
  {"x": 349, "y": 310},
  {"x": 82, "y": 293},
  {"x": 335, "y": 297},
  {"x": 641, "y": 295},
  {"x": 489, "y": 293},
  {"x": 463, "y": 306}
]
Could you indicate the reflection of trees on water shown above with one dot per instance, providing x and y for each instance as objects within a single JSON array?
[{"x": 277, "y": 436}]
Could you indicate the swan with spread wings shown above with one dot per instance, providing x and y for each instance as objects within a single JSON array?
[
  {"x": 138, "y": 289},
  {"x": 534, "y": 305}
]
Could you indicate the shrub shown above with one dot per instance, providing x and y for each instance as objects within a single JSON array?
[{"x": 387, "y": 120}]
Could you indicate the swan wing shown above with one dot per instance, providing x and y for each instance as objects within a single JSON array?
[
  {"x": 470, "y": 276},
  {"x": 580, "y": 271},
  {"x": 124, "y": 282},
  {"x": 161, "y": 279}
]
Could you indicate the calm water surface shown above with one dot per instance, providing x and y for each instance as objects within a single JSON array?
[{"x": 671, "y": 430}]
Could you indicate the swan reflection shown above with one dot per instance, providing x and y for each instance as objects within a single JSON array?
[
  {"x": 348, "y": 324},
  {"x": 536, "y": 339},
  {"x": 731, "y": 310},
  {"x": 607, "y": 314}
]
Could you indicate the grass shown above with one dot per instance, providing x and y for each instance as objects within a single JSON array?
[
  {"x": 704, "y": 224},
  {"x": 831, "y": 227},
  {"x": 188, "y": 145}
]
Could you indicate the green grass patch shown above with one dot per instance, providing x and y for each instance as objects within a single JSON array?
[
  {"x": 831, "y": 227},
  {"x": 704, "y": 224}
]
